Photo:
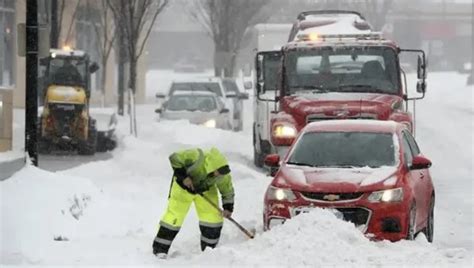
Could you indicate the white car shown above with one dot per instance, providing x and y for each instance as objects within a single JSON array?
[
  {"x": 199, "y": 107},
  {"x": 209, "y": 84}
]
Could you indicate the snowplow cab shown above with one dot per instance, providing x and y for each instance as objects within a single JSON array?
[{"x": 65, "y": 120}]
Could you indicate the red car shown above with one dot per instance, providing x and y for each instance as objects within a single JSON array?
[{"x": 369, "y": 172}]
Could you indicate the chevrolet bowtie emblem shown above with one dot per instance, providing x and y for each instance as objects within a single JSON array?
[
  {"x": 342, "y": 113},
  {"x": 331, "y": 197}
]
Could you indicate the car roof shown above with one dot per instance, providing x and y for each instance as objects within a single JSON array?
[
  {"x": 193, "y": 92},
  {"x": 354, "y": 125},
  {"x": 198, "y": 80}
]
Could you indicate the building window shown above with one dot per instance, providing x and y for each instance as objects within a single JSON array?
[
  {"x": 7, "y": 41},
  {"x": 87, "y": 28}
]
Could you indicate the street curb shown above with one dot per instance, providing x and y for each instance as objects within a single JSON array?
[{"x": 8, "y": 168}]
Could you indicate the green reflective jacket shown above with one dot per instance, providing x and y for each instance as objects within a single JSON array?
[{"x": 198, "y": 164}]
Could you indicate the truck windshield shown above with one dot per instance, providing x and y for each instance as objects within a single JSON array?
[
  {"x": 66, "y": 71},
  {"x": 347, "y": 69},
  {"x": 344, "y": 149}
]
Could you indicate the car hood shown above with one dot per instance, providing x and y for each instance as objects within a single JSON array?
[
  {"x": 195, "y": 117},
  {"x": 335, "y": 180},
  {"x": 341, "y": 105}
]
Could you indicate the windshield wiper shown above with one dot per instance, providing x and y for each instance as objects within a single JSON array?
[
  {"x": 310, "y": 88},
  {"x": 299, "y": 164},
  {"x": 361, "y": 88}
]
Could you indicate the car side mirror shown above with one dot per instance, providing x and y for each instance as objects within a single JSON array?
[
  {"x": 244, "y": 96},
  {"x": 272, "y": 160},
  {"x": 224, "y": 111},
  {"x": 93, "y": 67},
  {"x": 158, "y": 110},
  {"x": 160, "y": 95},
  {"x": 248, "y": 85},
  {"x": 421, "y": 86},
  {"x": 420, "y": 162},
  {"x": 231, "y": 94}
]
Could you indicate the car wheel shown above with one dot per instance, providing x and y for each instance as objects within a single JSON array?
[
  {"x": 429, "y": 229},
  {"x": 412, "y": 223}
]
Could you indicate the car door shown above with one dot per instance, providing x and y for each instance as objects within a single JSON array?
[{"x": 416, "y": 180}]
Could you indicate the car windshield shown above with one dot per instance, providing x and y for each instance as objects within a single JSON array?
[
  {"x": 67, "y": 71},
  {"x": 192, "y": 103},
  {"x": 197, "y": 86},
  {"x": 351, "y": 69},
  {"x": 344, "y": 149}
]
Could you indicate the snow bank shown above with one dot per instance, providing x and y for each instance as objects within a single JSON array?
[{"x": 318, "y": 239}]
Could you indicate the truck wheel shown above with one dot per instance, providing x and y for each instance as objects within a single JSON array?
[
  {"x": 90, "y": 146},
  {"x": 258, "y": 158}
]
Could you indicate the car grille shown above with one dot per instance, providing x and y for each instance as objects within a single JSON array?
[
  {"x": 321, "y": 117},
  {"x": 358, "y": 216},
  {"x": 331, "y": 197}
]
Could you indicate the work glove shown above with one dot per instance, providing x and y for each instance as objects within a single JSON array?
[{"x": 227, "y": 210}]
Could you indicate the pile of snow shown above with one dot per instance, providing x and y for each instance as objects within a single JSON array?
[{"x": 317, "y": 239}]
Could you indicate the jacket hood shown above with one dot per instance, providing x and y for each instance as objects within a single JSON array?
[{"x": 214, "y": 160}]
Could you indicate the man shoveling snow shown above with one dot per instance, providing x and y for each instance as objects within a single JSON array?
[{"x": 198, "y": 177}]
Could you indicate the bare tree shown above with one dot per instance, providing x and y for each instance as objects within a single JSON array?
[
  {"x": 225, "y": 21},
  {"x": 376, "y": 11},
  {"x": 105, "y": 32},
  {"x": 135, "y": 19}
]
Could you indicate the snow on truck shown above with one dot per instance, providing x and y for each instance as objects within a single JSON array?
[{"x": 333, "y": 67}]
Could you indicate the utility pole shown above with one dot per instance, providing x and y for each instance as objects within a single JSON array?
[
  {"x": 122, "y": 55},
  {"x": 54, "y": 35},
  {"x": 31, "y": 113}
]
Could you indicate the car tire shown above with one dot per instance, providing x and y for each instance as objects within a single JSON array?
[
  {"x": 258, "y": 158},
  {"x": 411, "y": 232},
  {"x": 429, "y": 229}
]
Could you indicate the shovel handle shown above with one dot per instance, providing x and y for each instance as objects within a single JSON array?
[{"x": 241, "y": 228}]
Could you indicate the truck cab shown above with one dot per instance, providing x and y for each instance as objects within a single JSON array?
[{"x": 320, "y": 76}]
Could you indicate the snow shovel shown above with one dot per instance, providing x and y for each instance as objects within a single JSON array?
[{"x": 250, "y": 234}]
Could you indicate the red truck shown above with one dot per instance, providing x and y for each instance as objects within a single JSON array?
[{"x": 320, "y": 76}]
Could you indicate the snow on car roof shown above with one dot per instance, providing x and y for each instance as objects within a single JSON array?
[
  {"x": 198, "y": 80},
  {"x": 354, "y": 125},
  {"x": 193, "y": 92}
]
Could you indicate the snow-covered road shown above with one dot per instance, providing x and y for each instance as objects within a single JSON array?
[{"x": 106, "y": 212}]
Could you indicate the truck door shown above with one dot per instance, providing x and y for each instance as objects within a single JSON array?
[{"x": 268, "y": 67}]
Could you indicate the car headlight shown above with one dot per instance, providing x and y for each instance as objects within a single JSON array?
[
  {"x": 210, "y": 123},
  {"x": 284, "y": 131},
  {"x": 280, "y": 194},
  {"x": 391, "y": 195}
]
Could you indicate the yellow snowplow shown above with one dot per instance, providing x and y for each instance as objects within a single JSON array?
[{"x": 65, "y": 122}]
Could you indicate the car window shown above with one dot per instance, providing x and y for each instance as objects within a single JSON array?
[
  {"x": 411, "y": 141},
  {"x": 345, "y": 149},
  {"x": 407, "y": 150},
  {"x": 197, "y": 86},
  {"x": 192, "y": 103}
]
